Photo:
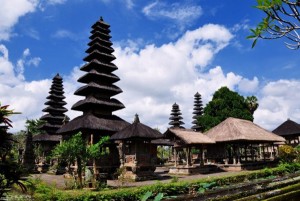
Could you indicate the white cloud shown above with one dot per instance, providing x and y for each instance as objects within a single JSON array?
[
  {"x": 11, "y": 11},
  {"x": 180, "y": 12},
  {"x": 62, "y": 34},
  {"x": 53, "y": 2},
  {"x": 278, "y": 101},
  {"x": 129, "y": 4}
]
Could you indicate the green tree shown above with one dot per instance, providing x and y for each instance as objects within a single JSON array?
[
  {"x": 282, "y": 19},
  {"x": 226, "y": 103},
  {"x": 33, "y": 126},
  {"x": 76, "y": 149},
  {"x": 10, "y": 171}
]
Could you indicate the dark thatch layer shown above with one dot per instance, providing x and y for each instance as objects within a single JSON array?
[
  {"x": 94, "y": 123},
  {"x": 233, "y": 129},
  {"x": 188, "y": 136},
  {"x": 288, "y": 127},
  {"x": 46, "y": 137},
  {"x": 137, "y": 130},
  {"x": 163, "y": 142}
]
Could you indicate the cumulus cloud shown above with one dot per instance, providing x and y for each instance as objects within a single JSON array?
[
  {"x": 155, "y": 77},
  {"x": 278, "y": 101},
  {"x": 11, "y": 11}
]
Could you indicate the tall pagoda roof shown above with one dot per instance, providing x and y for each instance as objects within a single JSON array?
[
  {"x": 98, "y": 104},
  {"x": 288, "y": 127},
  {"x": 94, "y": 123},
  {"x": 91, "y": 102},
  {"x": 55, "y": 109}
]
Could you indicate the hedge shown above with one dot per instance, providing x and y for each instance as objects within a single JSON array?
[{"x": 44, "y": 192}]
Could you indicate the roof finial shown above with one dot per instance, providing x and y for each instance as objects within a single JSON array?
[
  {"x": 101, "y": 19},
  {"x": 136, "y": 119}
]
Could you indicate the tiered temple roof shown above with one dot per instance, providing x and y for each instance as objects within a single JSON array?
[
  {"x": 55, "y": 110},
  {"x": 175, "y": 117},
  {"x": 198, "y": 111},
  {"x": 99, "y": 80}
]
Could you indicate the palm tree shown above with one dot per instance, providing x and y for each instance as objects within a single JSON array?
[{"x": 252, "y": 103}]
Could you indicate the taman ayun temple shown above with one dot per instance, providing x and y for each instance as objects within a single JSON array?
[{"x": 234, "y": 144}]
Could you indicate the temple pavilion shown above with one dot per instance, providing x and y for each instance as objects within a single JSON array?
[
  {"x": 290, "y": 130},
  {"x": 97, "y": 107},
  {"x": 54, "y": 118},
  {"x": 241, "y": 142},
  {"x": 184, "y": 140},
  {"x": 137, "y": 154}
]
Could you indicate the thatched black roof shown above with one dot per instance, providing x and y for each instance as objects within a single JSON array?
[
  {"x": 94, "y": 123},
  {"x": 137, "y": 130},
  {"x": 44, "y": 137},
  {"x": 288, "y": 127}
]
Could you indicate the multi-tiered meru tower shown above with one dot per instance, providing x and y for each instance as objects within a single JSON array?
[
  {"x": 54, "y": 117},
  {"x": 176, "y": 117},
  {"x": 198, "y": 112},
  {"x": 98, "y": 105}
]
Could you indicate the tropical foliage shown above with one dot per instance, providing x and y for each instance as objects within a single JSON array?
[
  {"x": 76, "y": 149},
  {"x": 10, "y": 171},
  {"x": 287, "y": 153},
  {"x": 282, "y": 19},
  {"x": 226, "y": 103}
]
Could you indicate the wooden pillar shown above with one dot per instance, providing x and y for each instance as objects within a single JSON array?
[
  {"x": 234, "y": 155},
  {"x": 201, "y": 156},
  {"x": 264, "y": 153},
  {"x": 175, "y": 156},
  {"x": 272, "y": 152},
  {"x": 226, "y": 154},
  {"x": 188, "y": 156},
  {"x": 238, "y": 155},
  {"x": 252, "y": 152},
  {"x": 94, "y": 161}
]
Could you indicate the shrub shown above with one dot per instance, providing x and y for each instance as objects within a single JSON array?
[{"x": 287, "y": 153}]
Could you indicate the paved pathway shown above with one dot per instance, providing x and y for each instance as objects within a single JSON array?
[{"x": 59, "y": 180}]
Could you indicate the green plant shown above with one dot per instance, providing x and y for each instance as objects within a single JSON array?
[
  {"x": 148, "y": 194},
  {"x": 287, "y": 153},
  {"x": 174, "y": 179},
  {"x": 77, "y": 149}
]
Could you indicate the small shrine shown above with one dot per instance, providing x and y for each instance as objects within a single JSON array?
[
  {"x": 290, "y": 130},
  {"x": 137, "y": 154}
]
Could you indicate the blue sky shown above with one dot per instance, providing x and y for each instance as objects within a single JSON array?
[{"x": 166, "y": 51}]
